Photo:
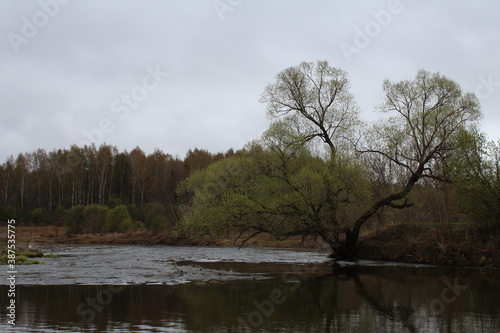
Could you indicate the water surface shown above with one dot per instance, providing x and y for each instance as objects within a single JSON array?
[{"x": 204, "y": 289}]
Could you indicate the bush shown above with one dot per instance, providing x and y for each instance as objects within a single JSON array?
[
  {"x": 156, "y": 216},
  {"x": 135, "y": 213},
  {"x": 158, "y": 223},
  {"x": 126, "y": 225},
  {"x": 74, "y": 219},
  {"x": 39, "y": 217},
  {"x": 114, "y": 201},
  {"x": 138, "y": 225},
  {"x": 58, "y": 216},
  {"x": 8, "y": 213},
  {"x": 115, "y": 218},
  {"x": 95, "y": 218}
]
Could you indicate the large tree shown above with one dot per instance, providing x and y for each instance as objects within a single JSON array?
[{"x": 294, "y": 187}]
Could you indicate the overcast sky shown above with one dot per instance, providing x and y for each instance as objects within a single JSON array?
[{"x": 180, "y": 74}]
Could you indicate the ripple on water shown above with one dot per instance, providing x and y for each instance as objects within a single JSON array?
[{"x": 130, "y": 264}]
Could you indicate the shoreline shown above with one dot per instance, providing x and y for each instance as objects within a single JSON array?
[{"x": 398, "y": 243}]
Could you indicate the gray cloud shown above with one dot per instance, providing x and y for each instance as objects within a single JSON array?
[{"x": 63, "y": 81}]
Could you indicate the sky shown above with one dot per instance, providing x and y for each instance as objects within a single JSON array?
[{"x": 185, "y": 74}]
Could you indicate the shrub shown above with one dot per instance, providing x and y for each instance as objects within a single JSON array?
[
  {"x": 95, "y": 218},
  {"x": 74, "y": 219},
  {"x": 135, "y": 213},
  {"x": 114, "y": 201},
  {"x": 8, "y": 213},
  {"x": 115, "y": 217},
  {"x": 126, "y": 225},
  {"x": 58, "y": 216},
  {"x": 156, "y": 216},
  {"x": 158, "y": 223},
  {"x": 39, "y": 216}
]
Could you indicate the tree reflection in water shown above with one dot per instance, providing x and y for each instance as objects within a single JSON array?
[{"x": 313, "y": 298}]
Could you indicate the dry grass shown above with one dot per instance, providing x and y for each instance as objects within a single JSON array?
[{"x": 57, "y": 235}]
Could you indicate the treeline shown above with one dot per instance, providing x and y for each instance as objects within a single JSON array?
[
  {"x": 81, "y": 185},
  {"x": 96, "y": 190}
]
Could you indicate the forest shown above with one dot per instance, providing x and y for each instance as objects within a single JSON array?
[
  {"x": 42, "y": 188},
  {"x": 319, "y": 170}
]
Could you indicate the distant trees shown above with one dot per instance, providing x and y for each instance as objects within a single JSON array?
[
  {"x": 37, "y": 187},
  {"x": 293, "y": 186}
]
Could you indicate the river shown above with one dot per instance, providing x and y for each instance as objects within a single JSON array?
[{"x": 209, "y": 289}]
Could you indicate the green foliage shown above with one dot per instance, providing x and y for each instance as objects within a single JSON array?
[
  {"x": 281, "y": 195},
  {"x": 114, "y": 201},
  {"x": 8, "y": 213},
  {"x": 24, "y": 257},
  {"x": 74, "y": 219},
  {"x": 58, "y": 215},
  {"x": 157, "y": 217},
  {"x": 135, "y": 212},
  {"x": 315, "y": 101},
  {"x": 39, "y": 216},
  {"x": 95, "y": 218},
  {"x": 126, "y": 225},
  {"x": 158, "y": 223},
  {"x": 115, "y": 218},
  {"x": 477, "y": 178}
]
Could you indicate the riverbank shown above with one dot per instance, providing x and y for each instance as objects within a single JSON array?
[
  {"x": 455, "y": 245},
  {"x": 410, "y": 243},
  {"x": 22, "y": 256},
  {"x": 57, "y": 235}
]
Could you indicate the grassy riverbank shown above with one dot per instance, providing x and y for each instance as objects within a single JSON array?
[
  {"x": 24, "y": 257},
  {"x": 414, "y": 243}
]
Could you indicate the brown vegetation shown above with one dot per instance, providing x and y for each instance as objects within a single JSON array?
[
  {"x": 428, "y": 244},
  {"x": 58, "y": 235}
]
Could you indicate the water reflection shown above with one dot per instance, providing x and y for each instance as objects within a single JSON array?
[{"x": 298, "y": 298}]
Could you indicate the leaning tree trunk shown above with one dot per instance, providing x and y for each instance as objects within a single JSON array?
[
  {"x": 341, "y": 250},
  {"x": 348, "y": 249}
]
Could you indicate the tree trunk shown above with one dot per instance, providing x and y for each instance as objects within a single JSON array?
[
  {"x": 341, "y": 250},
  {"x": 349, "y": 248}
]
